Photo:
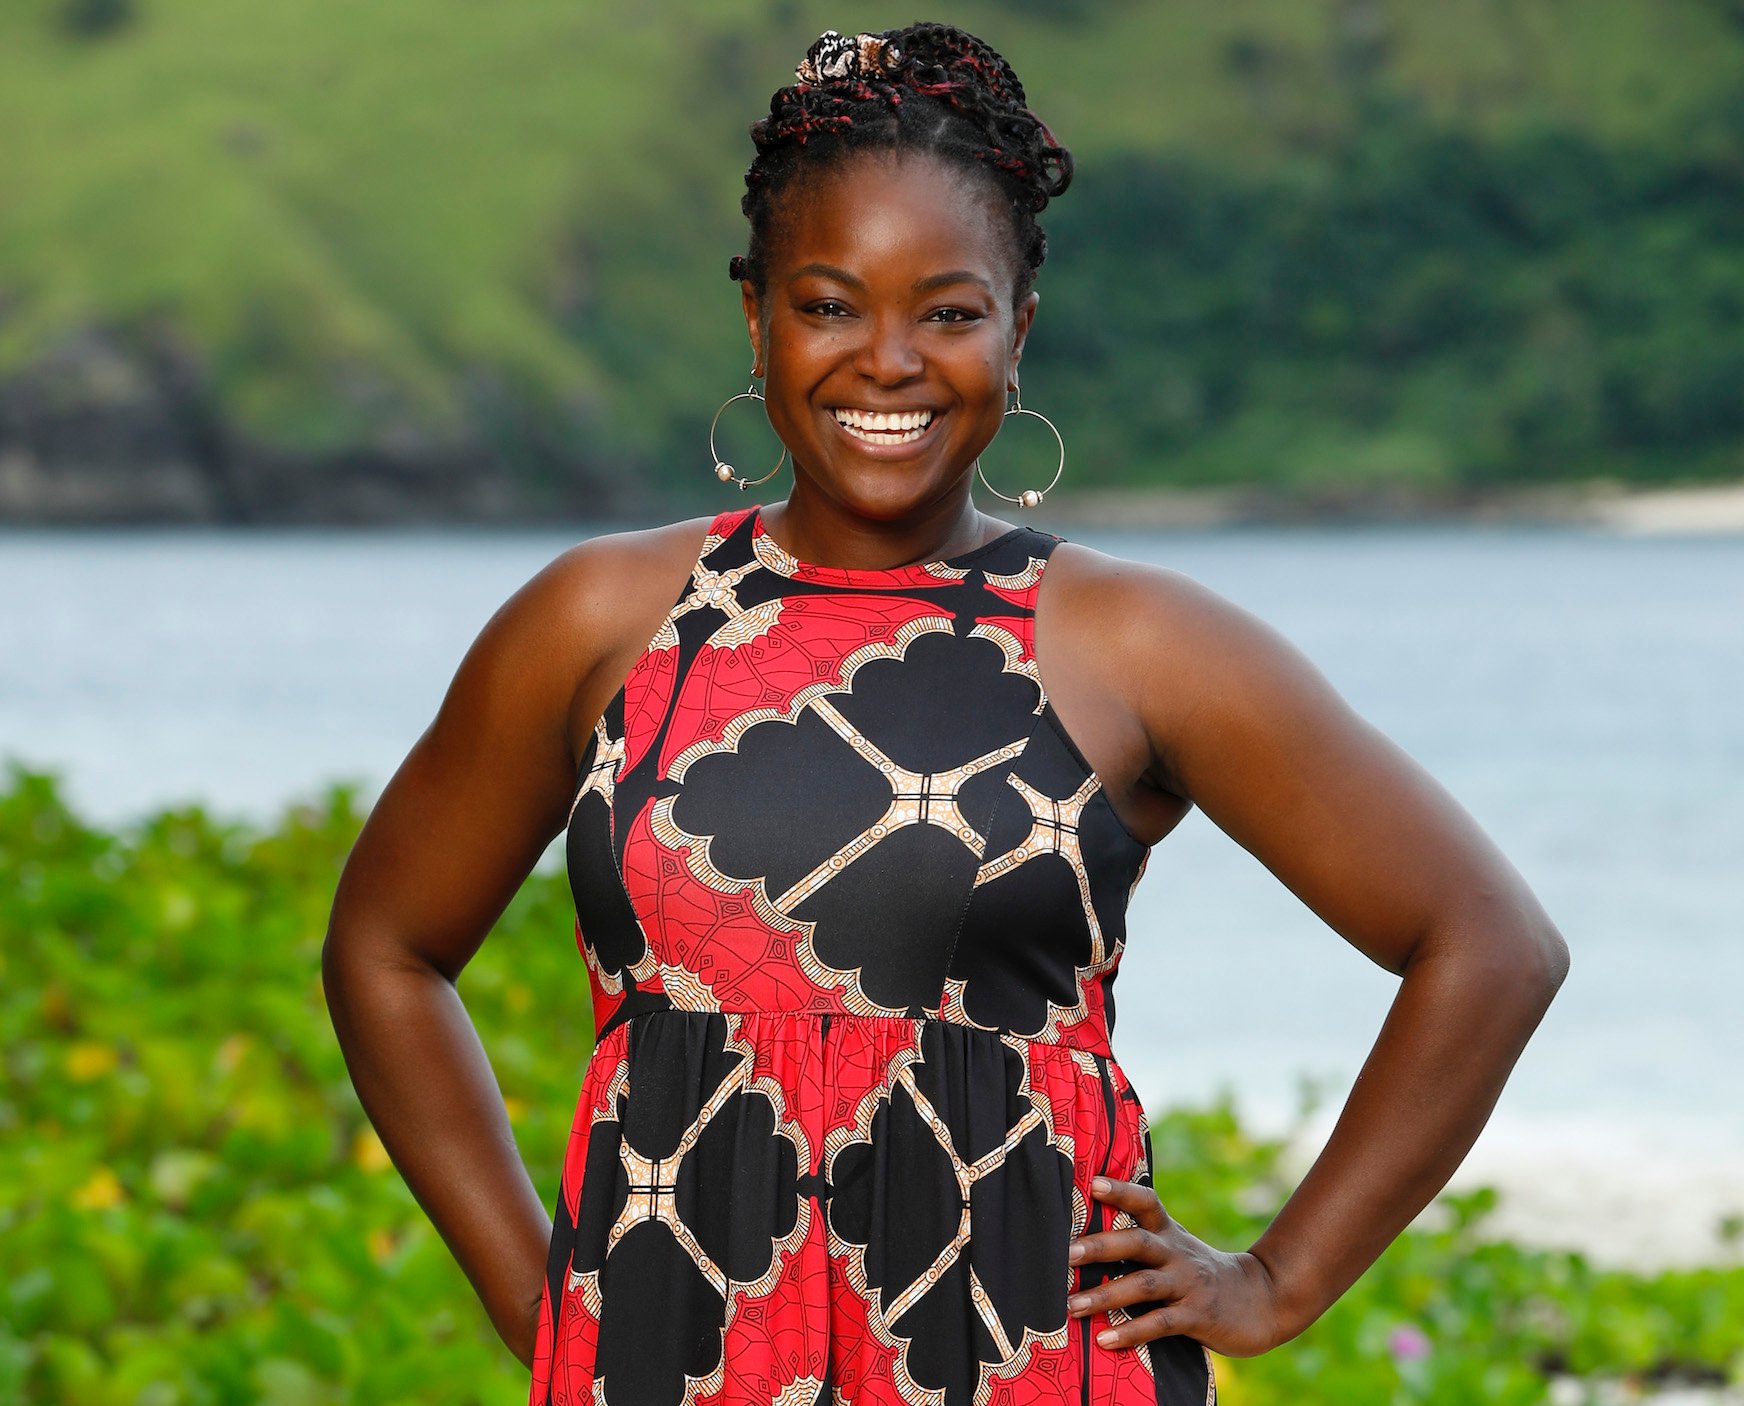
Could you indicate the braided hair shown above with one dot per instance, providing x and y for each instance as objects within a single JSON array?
[{"x": 925, "y": 87}]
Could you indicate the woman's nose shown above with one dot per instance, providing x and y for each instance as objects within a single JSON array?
[{"x": 888, "y": 355}]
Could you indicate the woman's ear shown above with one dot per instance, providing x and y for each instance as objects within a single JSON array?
[{"x": 753, "y": 324}]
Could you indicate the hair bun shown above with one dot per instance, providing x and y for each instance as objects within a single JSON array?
[{"x": 945, "y": 54}]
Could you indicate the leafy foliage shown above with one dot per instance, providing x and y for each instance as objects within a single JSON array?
[
  {"x": 1426, "y": 307},
  {"x": 193, "y": 1208}
]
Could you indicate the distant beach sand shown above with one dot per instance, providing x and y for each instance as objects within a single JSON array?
[
  {"x": 1625, "y": 1197},
  {"x": 1707, "y": 509},
  {"x": 1716, "y": 509}
]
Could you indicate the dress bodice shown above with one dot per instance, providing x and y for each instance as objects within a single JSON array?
[{"x": 846, "y": 790}]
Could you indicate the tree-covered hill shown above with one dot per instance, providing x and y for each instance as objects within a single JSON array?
[{"x": 435, "y": 259}]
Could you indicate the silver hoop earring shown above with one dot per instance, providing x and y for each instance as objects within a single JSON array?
[
  {"x": 1030, "y": 497},
  {"x": 723, "y": 470}
]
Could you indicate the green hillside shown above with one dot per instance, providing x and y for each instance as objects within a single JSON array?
[{"x": 1312, "y": 243}]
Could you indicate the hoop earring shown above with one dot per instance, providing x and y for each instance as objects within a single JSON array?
[
  {"x": 723, "y": 470},
  {"x": 1030, "y": 497}
]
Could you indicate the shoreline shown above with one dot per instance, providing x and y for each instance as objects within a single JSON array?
[
  {"x": 1705, "y": 509},
  {"x": 1636, "y": 1196},
  {"x": 1697, "y": 510}
]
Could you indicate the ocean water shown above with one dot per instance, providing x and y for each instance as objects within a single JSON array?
[{"x": 1578, "y": 692}]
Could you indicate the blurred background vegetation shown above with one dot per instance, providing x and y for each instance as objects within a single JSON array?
[
  {"x": 332, "y": 262},
  {"x": 194, "y": 1209}
]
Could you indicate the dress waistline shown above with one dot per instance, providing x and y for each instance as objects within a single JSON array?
[{"x": 624, "y": 1015}]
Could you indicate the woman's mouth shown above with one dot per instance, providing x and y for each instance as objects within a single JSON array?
[{"x": 884, "y": 429}]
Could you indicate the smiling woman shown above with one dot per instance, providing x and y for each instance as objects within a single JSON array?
[
  {"x": 854, "y": 808},
  {"x": 886, "y": 374},
  {"x": 916, "y": 245}
]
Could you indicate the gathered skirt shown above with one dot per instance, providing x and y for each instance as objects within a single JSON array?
[{"x": 786, "y": 1207}]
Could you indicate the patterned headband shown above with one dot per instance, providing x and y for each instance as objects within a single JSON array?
[{"x": 834, "y": 58}]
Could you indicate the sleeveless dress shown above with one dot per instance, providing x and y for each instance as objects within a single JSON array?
[{"x": 851, "y": 904}]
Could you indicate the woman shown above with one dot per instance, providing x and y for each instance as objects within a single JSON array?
[{"x": 854, "y": 808}]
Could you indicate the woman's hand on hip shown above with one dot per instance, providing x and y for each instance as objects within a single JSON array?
[{"x": 1222, "y": 1300}]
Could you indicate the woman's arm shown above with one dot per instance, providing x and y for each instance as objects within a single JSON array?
[
  {"x": 1241, "y": 724},
  {"x": 445, "y": 847}
]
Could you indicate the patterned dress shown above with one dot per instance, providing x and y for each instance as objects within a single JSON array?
[{"x": 851, "y": 904}]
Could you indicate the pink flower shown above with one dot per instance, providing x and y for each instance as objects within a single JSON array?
[{"x": 1408, "y": 1343}]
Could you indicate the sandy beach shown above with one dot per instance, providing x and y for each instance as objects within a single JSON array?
[
  {"x": 1638, "y": 1210},
  {"x": 1697, "y": 510},
  {"x": 1639, "y": 1198},
  {"x": 1718, "y": 509}
]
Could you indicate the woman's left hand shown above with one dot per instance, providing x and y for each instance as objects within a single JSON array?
[{"x": 1225, "y": 1301}]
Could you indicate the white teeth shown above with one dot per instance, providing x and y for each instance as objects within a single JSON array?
[
  {"x": 887, "y": 437},
  {"x": 885, "y": 423}
]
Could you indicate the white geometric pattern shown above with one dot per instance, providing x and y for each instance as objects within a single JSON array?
[
  {"x": 602, "y": 772},
  {"x": 653, "y": 1183},
  {"x": 917, "y": 798},
  {"x": 1053, "y": 830},
  {"x": 1013, "y": 1356}
]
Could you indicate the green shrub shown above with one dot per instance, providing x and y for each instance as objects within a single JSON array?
[{"x": 193, "y": 1208}]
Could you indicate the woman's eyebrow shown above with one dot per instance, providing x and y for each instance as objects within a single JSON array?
[
  {"x": 944, "y": 280},
  {"x": 921, "y": 285}
]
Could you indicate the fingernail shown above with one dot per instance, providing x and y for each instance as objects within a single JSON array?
[
  {"x": 1106, "y": 1339},
  {"x": 1075, "y": 1251},
  {"x": 1100, "y": 1183},
  {"x": 1078, "y": 1302}
]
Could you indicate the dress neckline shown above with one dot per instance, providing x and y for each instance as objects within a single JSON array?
[{"x": 914, "y": 569}]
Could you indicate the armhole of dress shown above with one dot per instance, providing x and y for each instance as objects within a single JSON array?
[
  {"x": 1041, "y": 548},
  {"x": 720, "y": 528},
  {"x": 1051, "y": 713}
]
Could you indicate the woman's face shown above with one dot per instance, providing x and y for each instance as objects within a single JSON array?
[{"x": 889, "y": 293}]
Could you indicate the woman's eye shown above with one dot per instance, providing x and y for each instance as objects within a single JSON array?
[{"x": 829, "y": 308}]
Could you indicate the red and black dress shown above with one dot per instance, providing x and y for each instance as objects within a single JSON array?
[{"x": 851, "y": 903}]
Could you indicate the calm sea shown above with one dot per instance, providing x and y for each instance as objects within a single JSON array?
[{"x": 1582, "y": 694}]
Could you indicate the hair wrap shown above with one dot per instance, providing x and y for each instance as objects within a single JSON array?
[{"x": 832, "y": 57}]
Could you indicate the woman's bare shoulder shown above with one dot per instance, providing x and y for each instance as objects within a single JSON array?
[
  {"x": 1192, "y": 668},
  {"x": 577, "y": 617},
  {"x": 605, "y": 586},
  {"x": 632, "y": 559},
  {"x": 1141, "y": 602}
]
